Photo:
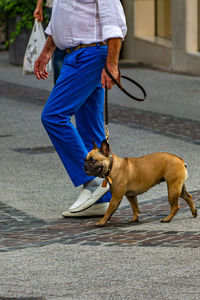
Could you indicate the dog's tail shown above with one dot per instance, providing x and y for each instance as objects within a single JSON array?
[{"x": 186, "y": 170}]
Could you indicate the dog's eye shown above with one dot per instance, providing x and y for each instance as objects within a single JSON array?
[{"x": 92, "y": 160}]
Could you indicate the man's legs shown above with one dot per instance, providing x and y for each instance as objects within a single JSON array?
[
  {"x": 90, "y": 124},
  {"x": 90, "y": 119},
  {"x": 80, "y": 75}
]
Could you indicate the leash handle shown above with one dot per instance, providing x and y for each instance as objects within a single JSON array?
[{"x": 123, "y": 89}]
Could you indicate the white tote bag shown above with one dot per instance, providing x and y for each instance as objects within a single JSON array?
[{"x": 35, "y": 45}]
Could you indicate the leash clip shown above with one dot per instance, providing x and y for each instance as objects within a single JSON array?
[{"x": 107, "y": 132}]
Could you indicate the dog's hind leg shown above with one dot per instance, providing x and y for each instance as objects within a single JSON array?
[
  {"x": 188, "y": 198},
  {"x": 134, "y": 204},
  {"x": 174, "y": 191}
]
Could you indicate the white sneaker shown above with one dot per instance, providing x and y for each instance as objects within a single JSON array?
[
  {"x": 87, "y": 198},
  {"x": 95, "y": 210}
]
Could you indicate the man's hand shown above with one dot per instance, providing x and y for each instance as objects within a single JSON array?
[
  {"x": 40, "y": 67},
  {"x": 114, "y": 46},
  {"x": 40, "y": 64},
  {"x": 38, "y": 13},
  {"x": 106, "y": 81}
]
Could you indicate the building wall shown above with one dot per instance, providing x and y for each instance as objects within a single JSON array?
[{"x": 163, "y": 33}]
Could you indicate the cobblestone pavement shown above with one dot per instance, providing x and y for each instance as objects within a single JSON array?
[
  {"x": 19, "y": 230},
  {"x": 22, "y": 298},
  {"x": 184, "y": 129}
]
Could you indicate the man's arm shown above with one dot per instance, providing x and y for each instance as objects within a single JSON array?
[
  {"x": 113, "y": 25},
  {"x": 40, "y": 64},
  {"x": 114, "y": 46},
  {"x": 38, "y": 13}
]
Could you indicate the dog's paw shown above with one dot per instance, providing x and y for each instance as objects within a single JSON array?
[
  {"x": 195, "y": 214},
  {"x": 165, "y": 220},
  {"x": 101, "y": 223},
  {"x": 134, "y": 220}
]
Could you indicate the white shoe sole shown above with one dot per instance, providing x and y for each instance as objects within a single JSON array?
[
  {"x": 95, "y": 210},
  {"x": 87, "y": 199}
]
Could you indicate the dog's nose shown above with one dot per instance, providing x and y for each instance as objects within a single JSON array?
[
  {"x": 86, "y": 165},
  {"x": 86, "y": 169}
]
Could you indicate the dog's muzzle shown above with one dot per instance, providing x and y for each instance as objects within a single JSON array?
[{"x": 93, "y": 170}]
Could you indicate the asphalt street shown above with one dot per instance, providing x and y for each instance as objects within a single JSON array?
[{"x": 42, "y": 255}]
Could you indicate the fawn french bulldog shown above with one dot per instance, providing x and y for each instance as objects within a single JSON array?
[{"x": 134, "y": 176}]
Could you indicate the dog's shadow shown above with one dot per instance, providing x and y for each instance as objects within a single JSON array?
[{"x": 122, "y": 217}]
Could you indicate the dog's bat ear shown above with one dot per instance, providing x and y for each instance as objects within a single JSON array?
[
  {"x": 94, "y": 145},
  {"x": 105, "y": 148}
]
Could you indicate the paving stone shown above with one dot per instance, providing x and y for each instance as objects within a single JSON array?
[
  {"x": 22, "y": 298},
  {"x": 31, "y": 232}
]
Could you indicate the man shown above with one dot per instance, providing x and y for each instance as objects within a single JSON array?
[
  {"x": 91, "y": 32},
  {"x": 58, "y": 55}
]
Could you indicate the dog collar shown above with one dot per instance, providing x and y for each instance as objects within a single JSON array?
[{"x": 110, "y": 166}]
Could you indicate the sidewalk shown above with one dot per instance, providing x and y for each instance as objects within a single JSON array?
[
  {"x": 44, "y": 256},
  {"x": 168, "y": 93}
]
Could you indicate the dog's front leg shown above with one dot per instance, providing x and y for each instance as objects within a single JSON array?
[{"x": 113, "y": 205}]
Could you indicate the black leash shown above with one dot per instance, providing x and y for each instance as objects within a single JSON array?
[{"x": 124, "y": 91}]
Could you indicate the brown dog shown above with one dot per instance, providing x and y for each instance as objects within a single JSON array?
[{"x": 134, "y": 176}]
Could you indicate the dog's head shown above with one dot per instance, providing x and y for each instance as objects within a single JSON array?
[{"x": 97, "y": 162}]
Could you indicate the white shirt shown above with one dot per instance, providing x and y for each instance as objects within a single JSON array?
[{"x": 85, "y": 21}]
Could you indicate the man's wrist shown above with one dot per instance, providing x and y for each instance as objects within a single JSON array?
[
  {"x": 48, "y": 49},
  {"x": 112, "y": 64},
  {"x": 114, "y": 46},
  {"x": 39, "y": 4},
  {"x": 50, "y": 45}
]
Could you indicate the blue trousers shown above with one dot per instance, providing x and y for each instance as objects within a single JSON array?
[{"x": 78, "y": 92}]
